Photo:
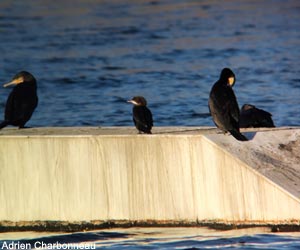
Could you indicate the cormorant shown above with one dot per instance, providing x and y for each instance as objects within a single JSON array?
[
  {"x": 22, "y": 100},
  {"x": 223, "y": 105},
  {"x": 142, "y": 116},
  {"x": 252, "y": 117}
]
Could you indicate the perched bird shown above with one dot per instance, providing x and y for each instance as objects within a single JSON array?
[
  {"x": 252, "y": 117},
  {"x": 142, "y": 116},
  {"x": 22, "y": 100},
  {"x": 223, "y": 105}
]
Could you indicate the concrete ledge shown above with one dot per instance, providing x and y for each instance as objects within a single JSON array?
[{"x": 177, "y": 175}]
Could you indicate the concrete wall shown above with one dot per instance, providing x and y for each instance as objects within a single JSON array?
[{"x": 133, "y": 177}]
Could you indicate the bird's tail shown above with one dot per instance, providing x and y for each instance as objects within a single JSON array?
[
  {"x": 3, "y": 124},
  {"x": 237, "y": 135}
]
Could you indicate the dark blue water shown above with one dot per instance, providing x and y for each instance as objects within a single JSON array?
[
  {"x": 158, "y": 238},
  {"x": 91, "y": 56}
]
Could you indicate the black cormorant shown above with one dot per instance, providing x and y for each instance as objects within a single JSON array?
[
  {"x": 223, "y": 105},
  {"x": 22, "y": 100},
  {"x": 142, "y": 116},
  {"x": 252, "y": 117}
]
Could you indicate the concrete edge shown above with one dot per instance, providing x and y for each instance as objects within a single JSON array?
[
  {"x": 73, "y": 226},
  {"x": 253, "y": 170}
]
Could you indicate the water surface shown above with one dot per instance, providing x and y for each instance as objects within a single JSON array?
[
  {"x": 160, "y": 238},
  {"x": 91, "y": 56}
]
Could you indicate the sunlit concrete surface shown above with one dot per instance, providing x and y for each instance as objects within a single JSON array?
[{"x": 188, "y": 174}]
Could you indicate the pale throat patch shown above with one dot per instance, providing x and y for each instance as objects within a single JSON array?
[
  {"x": 231, "y": 80},
  {"x": 18, "y": 80}
]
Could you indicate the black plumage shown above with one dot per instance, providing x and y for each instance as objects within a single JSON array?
[
  {"x": 252, "y": 117},
  {"x": 223, "y": 105},
  {"x": 142, "y": 116},
  {"x": 22, "y": 100}
]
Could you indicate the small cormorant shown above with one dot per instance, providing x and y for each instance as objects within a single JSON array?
[
  {"x": 142, "y": 116},
  {"x": 22, "y": 100},
  {"x": 223, "y": 105},
  {"x": 252, "y": 117}
]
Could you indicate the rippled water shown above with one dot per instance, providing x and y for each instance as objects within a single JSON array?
[
  {"x": 159, "y": 238},
  {"x": 91, "y": 56}
]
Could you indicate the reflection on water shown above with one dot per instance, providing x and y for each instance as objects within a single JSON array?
[
  {"x": 160, "y": 238},
  {"x": 90, "y": 56}
]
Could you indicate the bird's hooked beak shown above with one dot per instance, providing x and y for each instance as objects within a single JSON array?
[
  {"x": 14, "y": 82},
  {"x": 133, "y": 102},
  {"x": 231, "y": 81}
]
